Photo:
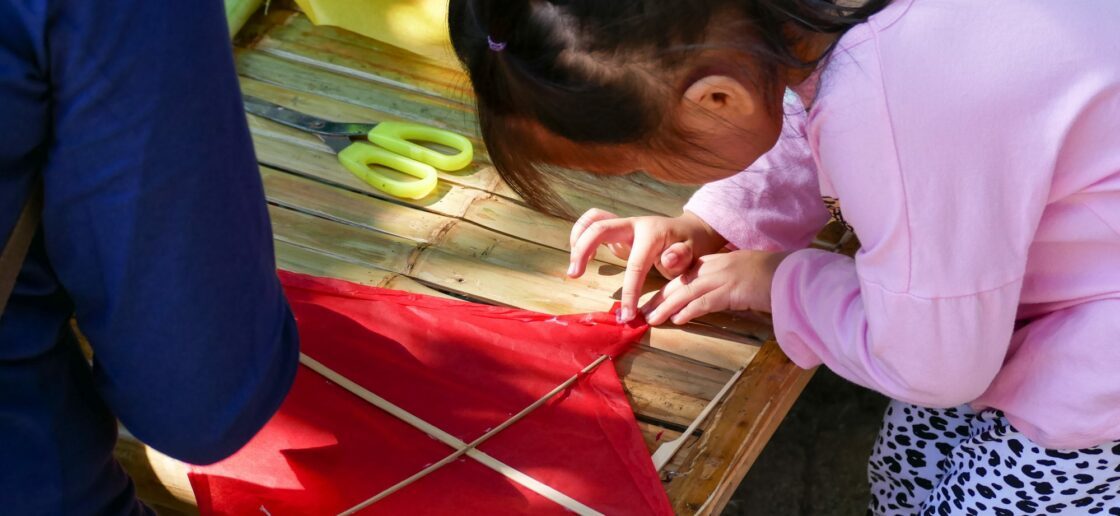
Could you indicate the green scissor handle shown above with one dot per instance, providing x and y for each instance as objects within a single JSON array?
[
  {"x": 360, "y": 155},
  {"x": 394, "y": 150},
  {"x": 395, "y": 136}
]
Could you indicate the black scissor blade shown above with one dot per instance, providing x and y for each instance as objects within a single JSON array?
[
  {"x": 303, "y": 121},
  {"x": 283, "y": 115}
]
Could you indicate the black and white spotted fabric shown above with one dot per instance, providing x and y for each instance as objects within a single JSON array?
[{"x": 959, "y": 462}]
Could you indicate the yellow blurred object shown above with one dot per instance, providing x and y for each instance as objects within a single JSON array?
[
  {"x": 419, "y": 26},
  {"x": 238, "y": 12}
]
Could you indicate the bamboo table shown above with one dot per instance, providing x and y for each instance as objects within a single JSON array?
[{"x": 474, "y": 239}]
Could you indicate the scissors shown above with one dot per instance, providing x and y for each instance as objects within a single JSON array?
[{"x": 392, "y": 147}]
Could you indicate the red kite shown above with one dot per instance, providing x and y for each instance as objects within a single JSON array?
[{"x": 463, "y": 369}]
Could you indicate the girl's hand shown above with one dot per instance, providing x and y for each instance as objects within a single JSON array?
[
  {"x": 668, "y": 243},
  {"x": 739, "y": 280}
]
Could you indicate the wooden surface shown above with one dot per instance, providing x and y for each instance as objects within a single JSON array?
[{"x": 474, "y": 239}]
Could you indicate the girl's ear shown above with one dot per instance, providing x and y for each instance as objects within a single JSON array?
[
  {"x": 721, "y": 114},
  {"x": 723, "y": 100}
]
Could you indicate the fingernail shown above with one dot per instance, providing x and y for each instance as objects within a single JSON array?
[
  {"x": 625, "y": 315},
  {"x": 571, "y": 269},
  {"x": 669, "y": 260}
]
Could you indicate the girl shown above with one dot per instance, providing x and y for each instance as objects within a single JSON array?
[{"x": 975, "y": 147}]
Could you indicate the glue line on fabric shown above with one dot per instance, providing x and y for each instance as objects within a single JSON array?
[{"x": 461, "y": 448}]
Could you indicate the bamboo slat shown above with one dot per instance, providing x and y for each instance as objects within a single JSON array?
[
  {"x": 473, "y": 238},
  {"x": 399, "y": 103},
  {"x": 298, "y": 40}
]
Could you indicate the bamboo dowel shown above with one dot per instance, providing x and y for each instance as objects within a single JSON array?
[
  {"x": 509, "y": 472},
  {"x": 478, "y": 442},
  {"x": 666, "y": 451}
]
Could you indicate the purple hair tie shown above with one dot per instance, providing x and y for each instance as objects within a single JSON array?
[{"x": 496, "y": 46}]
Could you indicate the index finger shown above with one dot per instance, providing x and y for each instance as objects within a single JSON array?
[{"x": 642, "y": 255}]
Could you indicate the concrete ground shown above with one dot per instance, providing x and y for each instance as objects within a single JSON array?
[{"x": 816, "y": 463}]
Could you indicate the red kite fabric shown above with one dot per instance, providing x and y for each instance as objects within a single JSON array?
[{"x": 463, "y": 367}]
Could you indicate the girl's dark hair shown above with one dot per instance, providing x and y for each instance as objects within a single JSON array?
[{"x": 585, "y": 69}]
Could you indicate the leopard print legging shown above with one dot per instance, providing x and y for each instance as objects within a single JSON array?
[{"x": 959, "y": 462}]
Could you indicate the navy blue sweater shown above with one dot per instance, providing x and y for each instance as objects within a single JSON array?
[{"x": 155, "y": 235}]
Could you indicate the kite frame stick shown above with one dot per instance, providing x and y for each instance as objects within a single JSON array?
[
  {"x": 667, "y": 450},
  {"x": 477, "y": 442},
  {"x": 509, "y": 472}
]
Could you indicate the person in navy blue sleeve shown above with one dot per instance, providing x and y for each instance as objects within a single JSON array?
[{"x": 154, "y": 235}]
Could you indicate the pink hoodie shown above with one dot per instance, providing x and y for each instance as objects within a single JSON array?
[{"x": 975, "y": 148}]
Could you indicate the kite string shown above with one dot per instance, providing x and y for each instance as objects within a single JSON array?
[{"x": 450, "y": 440}]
